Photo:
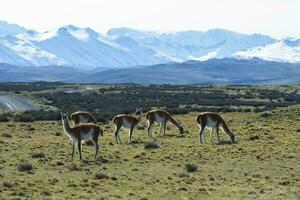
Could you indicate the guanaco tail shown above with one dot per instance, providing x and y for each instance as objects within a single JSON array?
[
  {"x": 81, "y": 132},
  {"x": 161, "y": 117},
  {"x": 128, "y": 122},
  {"x": 212, "y": 121},
  {"x": 83, "y": 117}
]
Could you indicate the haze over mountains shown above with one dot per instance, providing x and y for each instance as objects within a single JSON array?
[{"x": 57, "y": 52}]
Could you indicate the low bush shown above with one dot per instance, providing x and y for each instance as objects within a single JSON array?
[
  {"x": 38, "y": 154},
  {"x": 24, "y": 166},
  {"x": 100, "y": 175},
  {"x": 151, "y": 145},
  {"x": 191, "y": 167}
]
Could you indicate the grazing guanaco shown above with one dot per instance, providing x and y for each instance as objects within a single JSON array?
[
  {"x": 128, "y": 122},
  {"x": 82, "y": 117},
  {"x": 161, "y": 117},
  {"x": 212, "y": 121},
  {"x": 81, "y": 132}
]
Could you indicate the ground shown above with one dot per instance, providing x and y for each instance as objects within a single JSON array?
[{"x": 262, "y": 164}]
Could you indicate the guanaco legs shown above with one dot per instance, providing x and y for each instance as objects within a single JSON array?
[
  {"x": 212, "y": 121},
  {"x": 128, "y": 122},
  {"x": 161, "y": 117},
  {"x": 81, "y": 132}
]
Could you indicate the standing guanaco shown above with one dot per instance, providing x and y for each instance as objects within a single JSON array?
[
  {"x": 128, "y": 122},
  {"x": 81, "y": 132},
  {"x": 212, "y": 121},
  {"x": 161, "y": 117}
]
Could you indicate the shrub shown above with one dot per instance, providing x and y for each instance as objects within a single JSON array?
[
  {"x": 100, "y": 175},
  {"x": 38, "y": 154},
  {"x": 8, "y": 135},
  {"x": 7, "y": 184},
  {"x": 4, "y": 117},
  {"x": 24, "y": 166},
  {"x": 23, "y": 117},
  {"x": 151, "y": 145},
  {"x": 253, "y": 137},
  {"x": 265, "y": 114},
  {"x": 191, "y": 167},
  {"x": 46, "y": 192}
]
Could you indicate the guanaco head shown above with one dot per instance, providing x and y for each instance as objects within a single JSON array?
[
  {"x": 180, "y": 128},
  {"x": 138, "y": 111},
  {"x": 232, "y": 137},
  {"x": 64, "y": 117}
]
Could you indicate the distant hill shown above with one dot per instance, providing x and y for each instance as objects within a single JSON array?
[{"x": 213, "y": 71}]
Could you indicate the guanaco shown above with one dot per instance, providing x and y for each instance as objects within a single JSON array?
[
  {"x": 213, "y": 121},
  {"x": 128, "y": 122},
  {"x": 81, "y": 132},
  {"x": 161, "y": 117}
]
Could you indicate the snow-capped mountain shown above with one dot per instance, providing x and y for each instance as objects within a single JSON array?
[
  {"x": 195, "y": 45},
  {"x": 287, "y": 50},
  {"x": 10, "y": 29},
  {"x": 84, "y": 48},
  {"x": 78, "y": 47}
]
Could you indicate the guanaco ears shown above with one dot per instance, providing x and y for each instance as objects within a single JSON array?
[
  {"x": 138, "y": 111},
  {"x": 62, "y": 115}
]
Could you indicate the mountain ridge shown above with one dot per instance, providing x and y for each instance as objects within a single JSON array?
[
  {"x": 86, "y": 49},
  {"x": 213, "y": 71}
]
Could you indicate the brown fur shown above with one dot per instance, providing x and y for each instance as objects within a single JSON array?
[
  {"x": 202, "y": 120},
  {"x": 75, "y": 117},
  {"x": 151, "y": 117},
  {"x": 119, "y": 121},
  {"x": 80, "y": 132}
]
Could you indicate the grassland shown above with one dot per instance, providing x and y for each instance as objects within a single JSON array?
[{"x": 262, "y": 164}]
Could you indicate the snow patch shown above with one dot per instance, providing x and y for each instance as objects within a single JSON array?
[
  {"x": 32, "y": 53},
  {"x": 273, "y": 52},
  {"x": 35, "y": 36},
  {"x": 208, "y": 56},
  {"x": 80, "y": 34}
]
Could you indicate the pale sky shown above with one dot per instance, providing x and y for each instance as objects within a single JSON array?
[{"x": 278, "y": 18}]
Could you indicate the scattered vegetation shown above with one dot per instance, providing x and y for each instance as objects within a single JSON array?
[
  {"x": 8, "y": 135},
  {"x": 151, "y": 145},
  {"x": 100, "y": 175},
  {"x": 263, "y": 164},
  {"x": 191, "y": 167},
  {"x": 24, "y": 166},
  {"x": 7, "y": 184},
  {"x": 38, "y": 154}
]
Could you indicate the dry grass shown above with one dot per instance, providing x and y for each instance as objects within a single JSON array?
[{"x": 263, "y": 164}]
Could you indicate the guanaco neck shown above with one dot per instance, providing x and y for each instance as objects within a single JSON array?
[
  {"x": 66, "y": 126},
  {"x": 175, "y": 123},
  {"x": 225, "y": 127},
  {"x": 139, "y": 118}
]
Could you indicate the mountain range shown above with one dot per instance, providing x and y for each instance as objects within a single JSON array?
[
  {"x": 213, "y": 71},
  {"x": 86, "y": 49},
  {"x": 123, "y": 55}
]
